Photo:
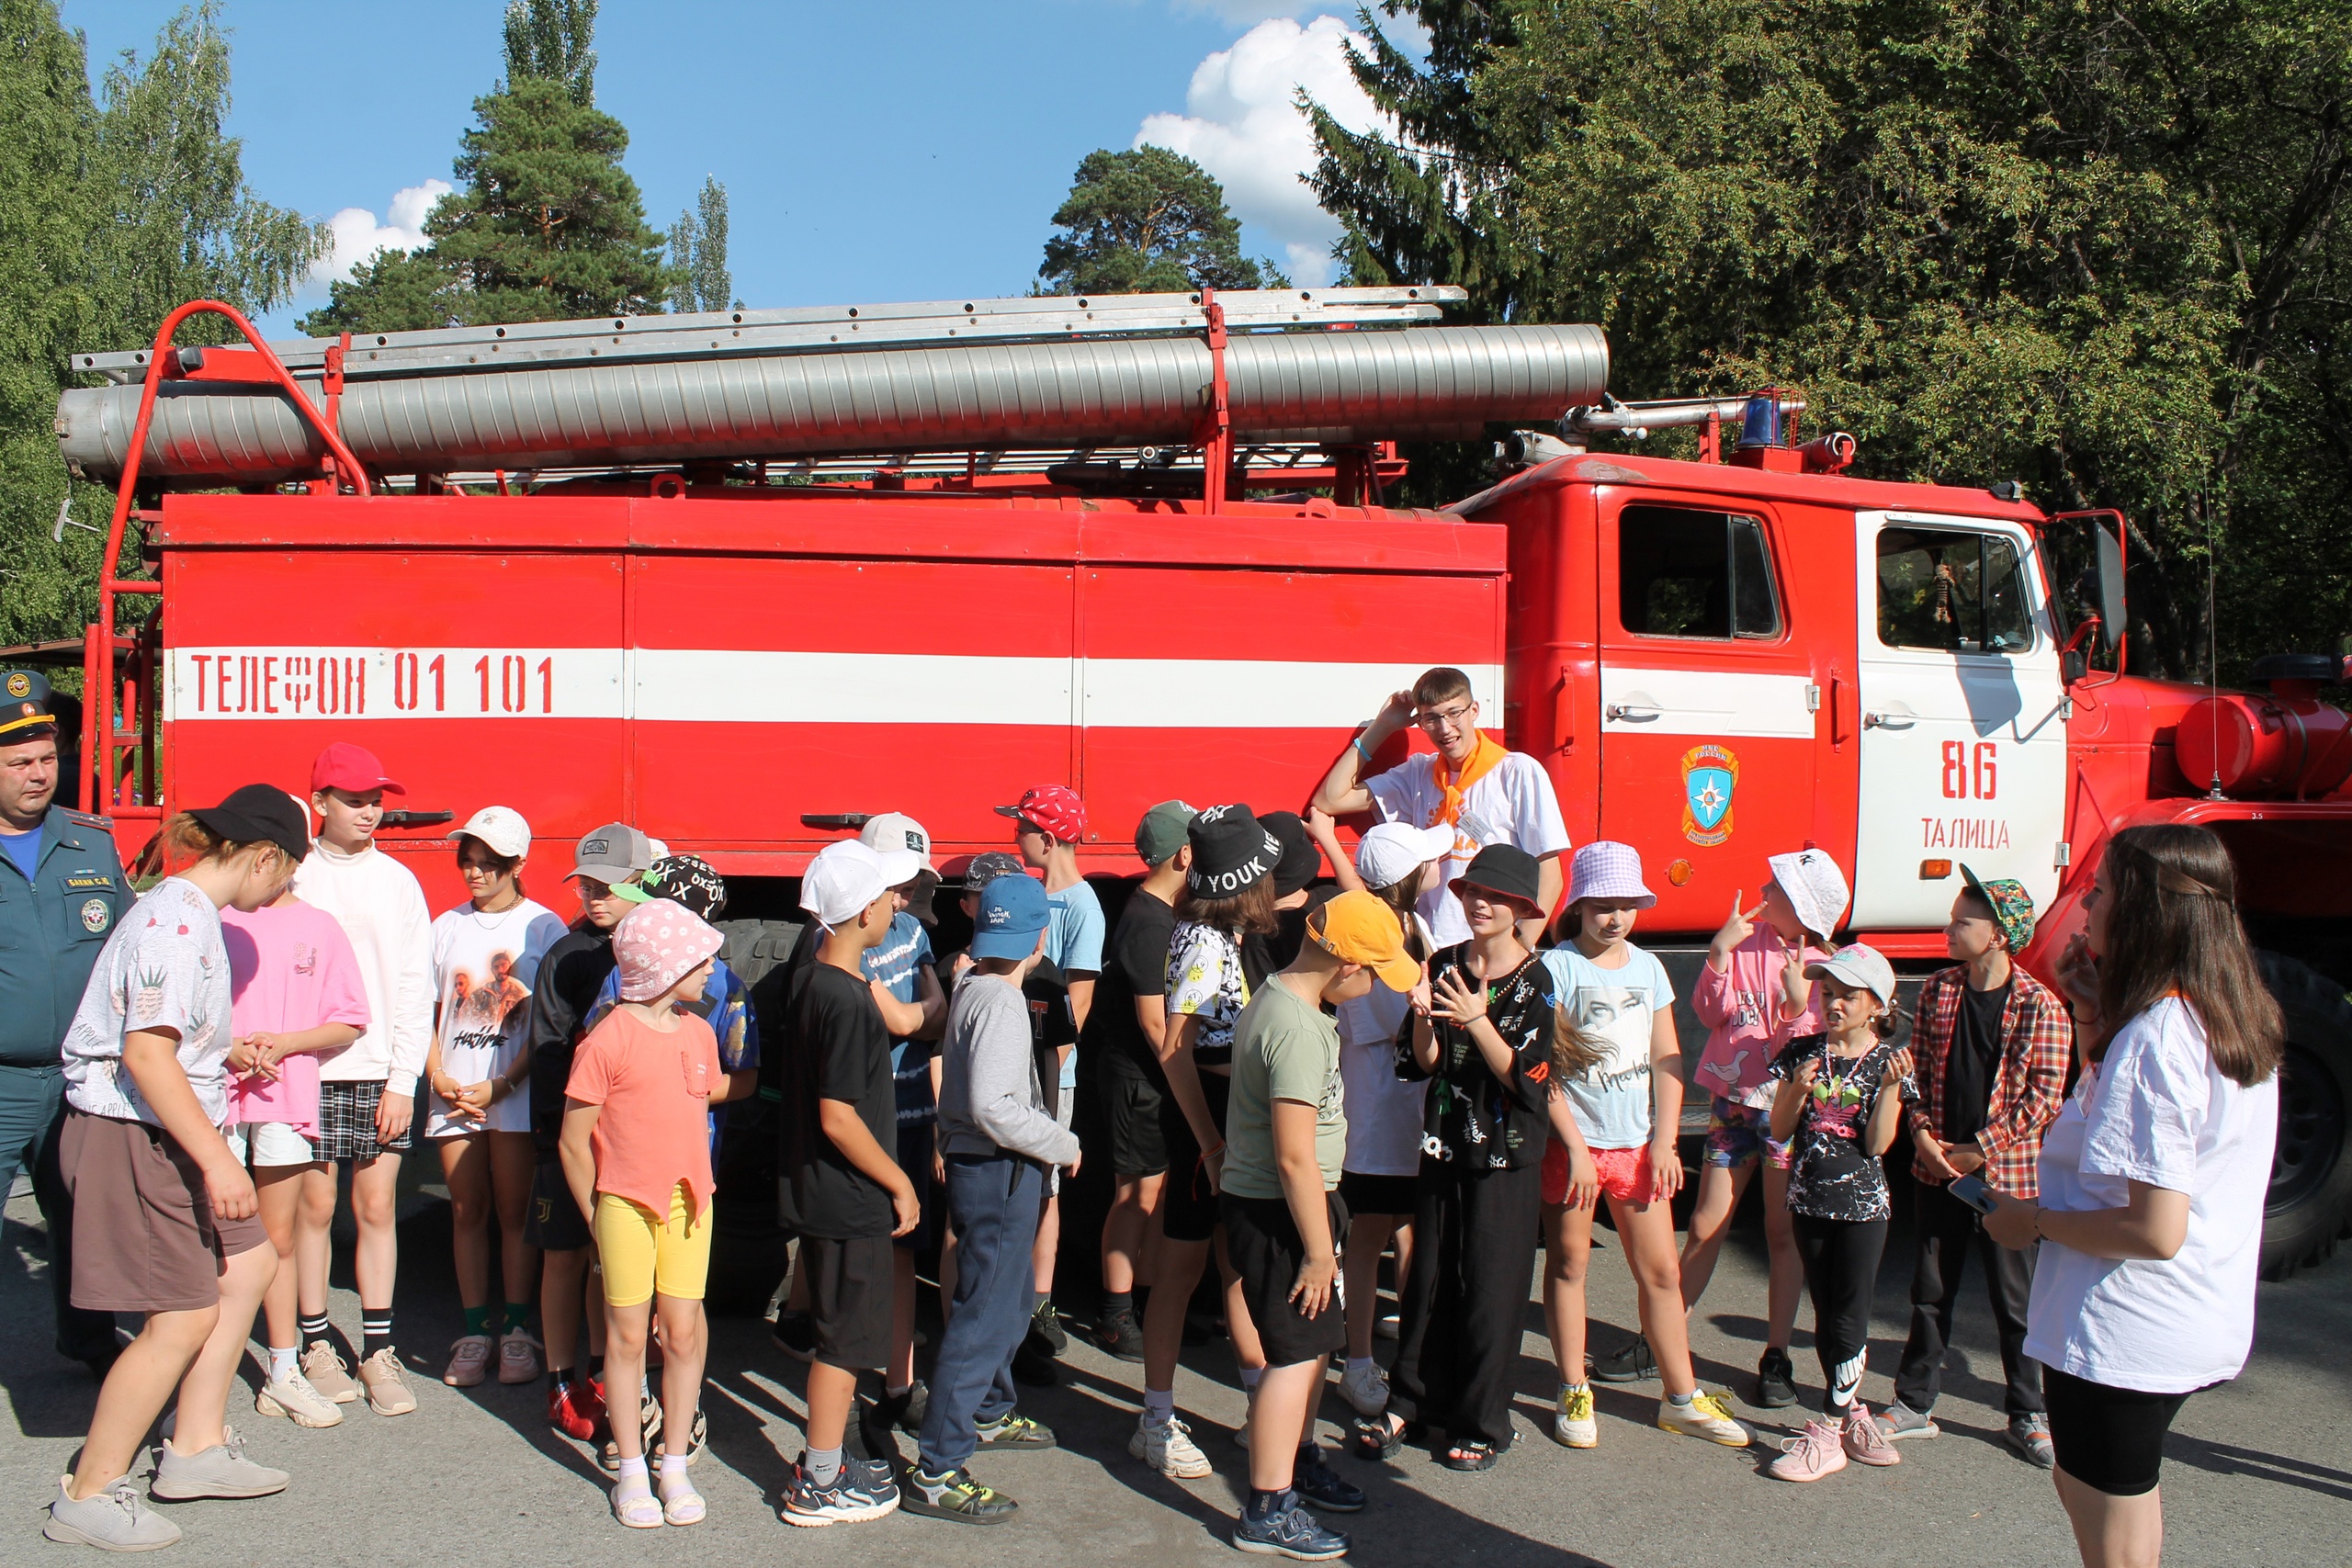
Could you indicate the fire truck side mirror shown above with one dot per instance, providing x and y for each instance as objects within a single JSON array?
[
  {"x": 2085, "y": 556},
  {"x": 2072, "y": 666}
]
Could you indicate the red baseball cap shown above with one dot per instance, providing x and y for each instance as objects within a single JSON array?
[
  {"x": 354, "y": 768},
  {"x": 1051, "y": 808}
]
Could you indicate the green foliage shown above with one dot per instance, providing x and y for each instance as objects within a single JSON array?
[
  {"x": 1148, "y": 221},
  {"x": 546, "y": 225},
  {"x": 113, "y": 211},
  {"x": 2096, "y": 247},
  {"x": 554, "y": 40},
  {"x": 700, "y": 279}
]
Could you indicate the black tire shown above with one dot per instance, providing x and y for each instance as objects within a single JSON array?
[
  {"x": 748, "y": 1251},
  {"x": 2311, "y": 1175}
]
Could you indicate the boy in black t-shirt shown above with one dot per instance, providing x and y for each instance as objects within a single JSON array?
[{"x": 840, "y": 1188}]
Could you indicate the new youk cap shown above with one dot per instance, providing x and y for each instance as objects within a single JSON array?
[
  {"x": 1357, "y": 928},
  {"x": 1161, "y": 832},
  {"x": 501, "y": 829},
  {"x": 842, "y": 880},
  {"x": 25, "y": 710},
  {"x": 2011, "y": 904},
  {"x": 613, "y": 854},
  {"x": 257, "y": 813},
  {"x": 1230, "y": 852},
  {"x": 1815, "y": 888},
  {"x": 353, "y": 768},
  {"x": 1012, "y": 912},
  {"x": 1861, "y": 964},
  {"x": 1050, "y": 808},
  {"x": 1390, "y": 852},
  {"x": 658, "y": 944}
]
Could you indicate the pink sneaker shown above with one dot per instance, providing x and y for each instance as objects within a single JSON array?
[
  {"x": 1865, "y": 1439},
  {"x": 1813, "y": 1453}
]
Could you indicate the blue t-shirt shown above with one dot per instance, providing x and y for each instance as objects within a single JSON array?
[
  {"x": 1074, "y": 932},
  {"x": 1613, "y": 1008},
  {"x": 25, "y": 849},
  {"x": 894, "y": 964}
]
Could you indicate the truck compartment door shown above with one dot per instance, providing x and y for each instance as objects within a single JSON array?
[{"x": 1963, "y": 739}]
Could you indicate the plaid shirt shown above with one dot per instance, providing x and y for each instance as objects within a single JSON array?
[{"x": 2027, "y": 1089}]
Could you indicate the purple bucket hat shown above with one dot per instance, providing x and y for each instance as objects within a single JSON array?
[{"x": 1604, "y": 869}]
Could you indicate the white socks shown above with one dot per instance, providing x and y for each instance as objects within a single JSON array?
[
  {"x": 282, "y": 1364},
  {"x": 1358, "y": 1363},
  {"x": 1158, "y": 1405}
]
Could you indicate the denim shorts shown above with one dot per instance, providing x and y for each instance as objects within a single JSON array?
[{"x": 1738, "y": 1136}]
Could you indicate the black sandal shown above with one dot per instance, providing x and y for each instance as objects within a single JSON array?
[
  {"x": 1372, "y": 1439},
  {"x": 1481, "y": 1455}
]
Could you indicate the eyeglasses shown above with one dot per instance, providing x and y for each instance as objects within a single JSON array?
[{"x": 1435, "y": 716}]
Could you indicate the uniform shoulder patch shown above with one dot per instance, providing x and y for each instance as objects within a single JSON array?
[{"x": 104, "y": 824}]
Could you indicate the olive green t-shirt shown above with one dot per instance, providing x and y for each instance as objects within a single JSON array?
[{"x": 1283, "y": 1049}]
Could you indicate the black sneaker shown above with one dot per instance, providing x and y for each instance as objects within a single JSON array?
[
  {"x": 1289, "y": 1531},
  {"x": 1775, "y": 1381},
  {"x": 918, "y": 1405},
  {"x": 1121, "y": 1336},
  {"x": 1631, "y": 1363},
  {"x": 795, "y": 1335},
  {"x": 954, "y": 1495},
  {"x": 1047, "y": 1324},
  {"x": 1319, "y": 1486},
  {"x": 1015, "y": 1431}
]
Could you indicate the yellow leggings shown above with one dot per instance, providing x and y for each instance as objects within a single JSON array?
[{"x": 640, "y": 1255}]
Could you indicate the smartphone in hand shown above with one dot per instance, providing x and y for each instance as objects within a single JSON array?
[{"x": 1971, "y": 1192}]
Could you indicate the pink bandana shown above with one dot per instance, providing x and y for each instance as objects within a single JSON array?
[{"x": 658, "y": 944}]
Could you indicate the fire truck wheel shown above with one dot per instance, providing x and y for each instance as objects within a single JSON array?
[{"x": 2311, "y": 1175}]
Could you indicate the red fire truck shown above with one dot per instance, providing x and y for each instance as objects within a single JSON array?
[{"x": 742, "y": 578}]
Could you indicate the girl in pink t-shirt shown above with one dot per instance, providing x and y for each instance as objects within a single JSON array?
[{"x": 294, "y": 993}]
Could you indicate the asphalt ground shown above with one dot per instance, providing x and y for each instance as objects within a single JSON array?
[{"x": 2258, "y": 1472}]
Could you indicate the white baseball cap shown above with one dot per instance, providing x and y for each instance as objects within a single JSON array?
[
  {"x": 843, "y": 879},
  {"x": 1391, "y": 852},
  {"x": 1858, "y": 965},
  {"x": 902, "y": 842},
  {"x": 660, "y": 851},
  {"x": 501, "y": 829},
  {"x": 1816, "y": 889}
]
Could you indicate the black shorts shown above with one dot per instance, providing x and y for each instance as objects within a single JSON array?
[
  {"x": 1187, "y": 1206},
  {"x": 1262, "y": 1240},
  {"x": 1131, "y": 1111},
  {"x": 2110, "y": 1439},
  {"x": 554, "y": 1224},
  {"x": 1392, "y": 1195},
  {"x": 850, "y": 1298}
]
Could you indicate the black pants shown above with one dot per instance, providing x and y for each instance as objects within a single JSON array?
[
  {"x": 1841, "y": 1260},
  {"x": 1947, "y": 1229},
  {"x": 1474, "y": 1251}
]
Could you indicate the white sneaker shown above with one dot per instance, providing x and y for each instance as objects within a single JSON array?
[
  {"x": 293, "y": 1398},
  {"x": 519, "y": 1357},
  {"x": 1366, "y": 1388},
  {"x": 1169, "y": 1448},
  {"x": 1704, "y": 1417},
  {"x": 1573, "y": 1426},
  {"x": 468, "y": 1362}
]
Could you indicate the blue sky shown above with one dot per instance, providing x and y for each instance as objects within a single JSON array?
[{"x": 893, "y": 150}]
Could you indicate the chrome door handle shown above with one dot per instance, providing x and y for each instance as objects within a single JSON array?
[
  {"x": 1634, "y": 713},
  {"x": 1888, "y": 721}
]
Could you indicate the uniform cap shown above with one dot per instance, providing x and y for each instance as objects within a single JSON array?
[
  {"x": 1391, "y": 852},
  {"x": 1012, "y": 912},
  {"x": 353, "y": 768},
  {"x": 1858, "y": 963},
  {"x": 658, "y": 944},
  {"x": 842, "y": 880},
  {"x": 1050, "y": 808},
  {"x": 501, "y": 829},
  {"x": 25, "y": 710},
  {"x": 1815, "y": 888},
  {"x": 613, "y": 854},
  {"x": 1357, "y": 928},
  {"x": 1161, "y": 832}
]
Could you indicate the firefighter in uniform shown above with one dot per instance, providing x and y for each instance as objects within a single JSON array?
[{"x": 62, "y": 889}]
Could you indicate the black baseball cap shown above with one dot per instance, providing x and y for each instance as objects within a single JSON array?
[
  {"x": 1506, "y": 869},
  {"x": 1301, "y": 860},
  {"x": 257, "y": 813}
]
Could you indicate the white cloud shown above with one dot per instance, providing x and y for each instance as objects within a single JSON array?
[
  {"x": 1244, "y": 126},
  {"x": 356, "y": 233}
]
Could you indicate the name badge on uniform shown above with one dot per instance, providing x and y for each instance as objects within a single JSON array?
[{"x": 1476, "y": 829}]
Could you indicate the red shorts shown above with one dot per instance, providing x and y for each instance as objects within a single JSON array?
[{"x": 1624, "y": 1173}]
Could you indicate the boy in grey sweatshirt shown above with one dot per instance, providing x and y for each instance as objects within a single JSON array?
[{"x": 996, "y": 1139}]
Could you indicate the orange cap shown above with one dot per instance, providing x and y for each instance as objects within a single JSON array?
[{"x": 1356, "y": 927}]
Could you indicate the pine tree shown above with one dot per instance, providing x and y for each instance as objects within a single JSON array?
[
  {"x": 700, "y": 280},
  {"x": 1148, "y": 221}
]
